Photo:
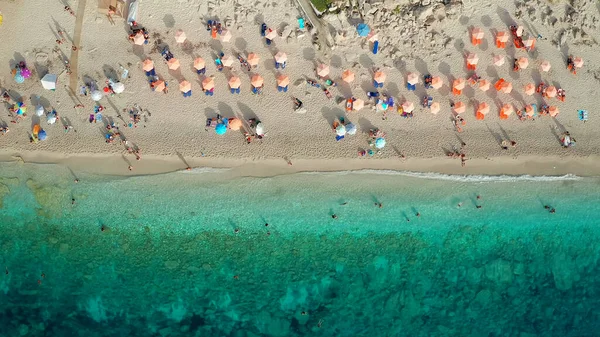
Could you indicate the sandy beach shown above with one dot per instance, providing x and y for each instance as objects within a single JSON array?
[{"x": 424, "y": 38}]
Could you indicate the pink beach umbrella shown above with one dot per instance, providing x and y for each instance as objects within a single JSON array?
[
  {"x": 180, "y": 36},
  {"x": 173, "y": 64},
  {"x": 484, "y": 85},
  {"x": 523, "y": 62},
  {"x": 208, "y": 83},
  {"x": 553, "y": 110},
  {"x": 551, "y": 91},
  {"x": 234, "y": 82},
  {"x": 185, "y": 86},
  {"x": 348, "y": 76},
  {"x": 280, "y": 57},
  {"x": 545, "y": 66},
  {"x": 530, "y": 89},
  {"x": 413, "y": 79},
  {"x": 227, "y": 61},
  {"x": 283, "y": 81},
  {"x": 459, "y": 107},
  {"x": 226, "y": 36},
  {"x": 199, "y": 63},
  {"x": 498, "y": 60},
  {"x": 578, "y": 62},
  {"x": 435, "y": 108},
  {"x": 253, "y": 59},
  {"x": 257, "y": 81},
  {"x": 271, "y": 34},
  {"x": 408, "y": 106},
  {"x": 323, "y": 70},
  {"x": 358, "y": 104},
  {"x": 148, "y": 65},
  {"x": 379, "y": 77},
  {"x": 436, "y": 82}
]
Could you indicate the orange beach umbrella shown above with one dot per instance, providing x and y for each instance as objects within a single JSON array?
[
  {"x": 506, "y": 109},
  {"x": 435, "y": 108},
  {"x": 459, "y": 107},
  {"x": 280, "y": 57},
  {"x": 484, "y": 85},
  {"x": 173, "y": 64},
  {"x": 253, "y": 59},
  {"x": 551, "y": 91},
  {"x": 199, "y": 63},
  {"x": 185, "y": 86},
  {"x": 358, "y": 104},
  {"x": 283, "y": 81},
  {"x": 553, "y": 110},
  {"x": 408, "y": 106},
  {"x": 208, "y": 83},
  {"x": 348, "y": 76},
  {"x": 436, "y": 82},
  {"x": 234, "y": 82},
  {"x": 529, "y": 110},
  {"x": 234, "y": 124},
  {"x": 413, "y": 78},
  {"x": 523, "y": 62},
  {"x": 159, "y": 85},
  {"x": 483, "y": 108},
  {"x": 148, "y": 65},
  {"x": 458, "y": 84},
  {"x": 506, "y": 87},
  {"x": 257, "y": 81},
  {"x": 379, "y": 77}
]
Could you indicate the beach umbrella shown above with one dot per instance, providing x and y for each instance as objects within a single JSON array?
[
  {"x": 520, "y": 31},
  {"x": 483, "y": 108},
  {"x": 529, "y": 110},
  {"x": 257, "y": 81},
  {"x": 49, "y": 82},
  {"x": 281, "y": 57},
  {"x": 185, "y": 86},
  {"x": 458, "y": 84},
  {"x": 435, "y": 108},
  {"x": 323, "y": 70},
  {"x": 372, "y": 37},
  {"x": 363, "y": 29},
  {"x": 551, "y": 91},
  {"x": 226, "y": 35},
  {"x": 351, "y": 129},
  {"x": 523, "y": 62},
  {"x": 530, "y": 89},
  {"x": 459, "y": 107},
  {"x": 199, "y": 63},
  {"x": 271, "y": 34},
  {"x": 39, "y": 111},
  {"x": 379, "y": 77},
  {"x": 180, "y": 36},
  {"x": 139, "y": 39},
  {"x": 507, "y": 109},
  {"x": 472, "y": 59},
  {"x": 227, "y": 61},
  {"x": 380, "y": 143},
  {"x": 234, "y": 124},
  {"x": 147, "y": 65},
  {"x": 96, "y": 95},
  {"x": 358, "y": 104},
  {"x": 42, "y": 135},
  {"x": 20, "y": 108},
  {"x": 159, "y": 85},
  {"x": 283, "y": 81},
  {"x": 208, "y": 83},
  {"x": 498, "y": 60},
  {"x": 260, "y": 130},
  {"x": 408, "y": 106},
  {"x": 413, "y": 79},
  {"x": 340, "y": 130},
  {"x": 173, "y": 64},
  {"x": 553, "y": 110},
  {"x": 529, "y": 43},
  {"x": 578, "y": 62},
  {"x": 220, "y": 129},
  {"x": 545, "y": 66},
  {"x": 234, "y": 82},
  {"x": 118, "y": 87},
  {"x": 484, "y": 85},
  {"x": 19, "y": 78},
  {"x": 348, "y": 76},
  {"x": 436, "y": 82},
  {"x": 51, "y": 119},
  {"x": 36, "y": 129},
  {"x": 502, "y": 37},
  {"x": 253, "y": 59},
  {"x": 506, "y": 87},
  {"x": 476, "y": 35},
  {"x": 26, "y": 73}
]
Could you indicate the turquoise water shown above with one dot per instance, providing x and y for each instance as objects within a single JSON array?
[{"x": 170, "y": 263}]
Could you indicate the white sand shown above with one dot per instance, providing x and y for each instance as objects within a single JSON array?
[{"x": 177, "y": 124}]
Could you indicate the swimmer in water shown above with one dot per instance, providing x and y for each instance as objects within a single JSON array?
[
  {"x": 459, "y": 204},
  {"x": 72, "y": 201},
  {"x": 344, "y": 203},
  {"x": 418, "y": 214},
  {"x": 266, "y": 225},
  {"x": 378, "y": 204},
  {"x": 478, "y": 197},
  {"x": 478, "y": 206},
  {"x": 333, "y": 216},
  {"x": 546, "y": 207},
  {"x": 553, "y": 211}
]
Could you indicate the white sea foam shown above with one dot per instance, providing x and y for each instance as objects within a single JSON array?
[
  {"x": 206, "y": 170},
  {"x": 457, "y": 178}
]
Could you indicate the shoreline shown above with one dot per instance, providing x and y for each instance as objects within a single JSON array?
[{"x": 117, "y": 165}]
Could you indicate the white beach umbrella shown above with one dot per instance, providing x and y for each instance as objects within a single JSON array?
[
  {"x": 118, "y": 87},
  {"x": 39, "y": 111},
  {"x": 51, "y": 119},
  {"x": 49, "y": 82},
  {"x": 260, "y": 130},
  {"x": 351, "y": 129},
  {"x": 97, "y": 95},
  {"x": 340, "y": 130}
]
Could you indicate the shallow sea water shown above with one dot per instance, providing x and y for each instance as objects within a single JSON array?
[{"x": 170, "y": 263}]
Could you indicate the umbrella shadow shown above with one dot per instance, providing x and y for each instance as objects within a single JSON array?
[
  {"x": 309, "y": 54},
  {"x": 504, "y": 133},
  {"x": 400, "y": 65},
  {"x": 182, "y": 158},
  {"x": 169, "y": 20},
  {"x": 17, "y": 57},
  {"x": 335, "y": 61},
  {"x": 393, "y": 89},
  {"x": 210, "y": 113},
  {"x": 59, "y": 28},
  {"x": 555, "y": 134},
  {"x": 246, "y": 111},
  {"x": 216, "y": 45},
  {"x": 176, "y": 74},
  {"x": 366, "y": 61},
  {"x": 486, "y": 20},
  {"x": 365, "y": 125},
  {"x": 444, "y": 69},
  {"x": 110, "y": 72},
  {"x": 560, "y": 127},
  {"x": 497, "y": 136},
  {"x": 331, "y": 114},
  {"x": 345, "y": 89},
  {"x": 66, "y": 122},
  {"x": 536, "y": 75},
  {"x": 421, "y": 66},
  {"x": 516, "y": 96},
  {"x": 504, "y": 15},
  {"x": 226, "y": 110},
  {"x": 491, "y": 71},
  {"x": 39, "y": 100},
  {"x": 367, "y": 86},
  {"x": 463, "y": 20},
  {"x": 241, "y": 44},
  {"x": 459, "y": 45},
  {"x": 515, "y": 75}
]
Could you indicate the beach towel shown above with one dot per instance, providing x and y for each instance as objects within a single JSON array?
[
  {"x": 301, "y": 23},
  {"x": 583, "y": 115}
]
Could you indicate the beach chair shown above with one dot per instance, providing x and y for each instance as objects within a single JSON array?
[
  {"x": 479, "y": 116},
  {"x": 583, "y": 115},
  {"x": 499, "y": 84},
  {"x": 471, "y": 66},
  {"x": 456, "y": 92},
  {"x": 375, "y": 47},
  {"x": 411, "y": 87}
]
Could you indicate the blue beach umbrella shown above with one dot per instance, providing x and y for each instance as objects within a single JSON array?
[
  {"x": 221, "y": 129},
  {"x": 19, "y": 78},
  {"x": 380, "y": 143},
  {"x": 363, "y": 29},
  {"x": 42, "y": 135}
]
